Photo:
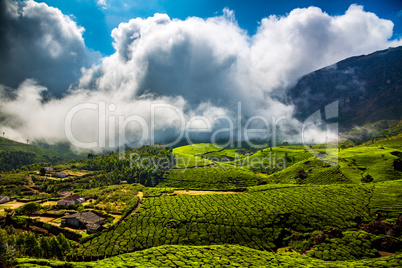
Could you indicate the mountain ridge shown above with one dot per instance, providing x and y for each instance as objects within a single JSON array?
[{"x": 368, "y": 88}]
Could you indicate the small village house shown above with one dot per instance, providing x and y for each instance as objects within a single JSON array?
[
  {"x": 4, "y": 199},
  {"x": 71, "y": 200},
  {"x": 83, "y": 220}
]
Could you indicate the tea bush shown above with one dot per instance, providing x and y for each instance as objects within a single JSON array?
[{"x": 258, "y": 220}]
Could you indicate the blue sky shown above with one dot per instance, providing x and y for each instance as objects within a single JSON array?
[{"x": 99, "y": 20}]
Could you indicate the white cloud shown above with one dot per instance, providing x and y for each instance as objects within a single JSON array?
[
  {"x": 204, "y": 66},
  {"x": 102, "y": 3},
  {"x": 288, "y": 47}
]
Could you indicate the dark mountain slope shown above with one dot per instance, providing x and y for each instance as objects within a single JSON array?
[{"x": 369, "y": 89}]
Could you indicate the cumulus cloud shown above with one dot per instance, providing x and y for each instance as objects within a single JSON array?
[
  {"x": 204, "y": 67},
  {"x": 288, "y": 47},
  {"x": 38, "y": 41}
]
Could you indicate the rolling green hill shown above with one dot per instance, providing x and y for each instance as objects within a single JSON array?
[
  {"x": 53, "y": 151},
  {"x": 14, "y": 155},
  {"x": 215, "y": 168},
  {"x": 374, "y": 131}
]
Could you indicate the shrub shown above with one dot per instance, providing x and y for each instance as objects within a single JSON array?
[
  {"x": 367, "y": 178},
  {"x": 29, "y": 208},
  {"x": 397, "y": 164}
]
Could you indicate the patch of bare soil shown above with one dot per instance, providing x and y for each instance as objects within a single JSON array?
[
  {"x": 386, "y": 254},
  {"x": 12, "y": 205},
  {"x": 45, "y": 219}
]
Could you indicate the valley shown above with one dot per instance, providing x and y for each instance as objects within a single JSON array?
[{"x": 214, "y": 204}]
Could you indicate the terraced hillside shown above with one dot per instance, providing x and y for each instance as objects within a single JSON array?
[
  {"x": 259, "y": 220},
  {"x": 225, "y": 169},
  {"x": 354, "y": 163},
  {"x": 213, "y": 256},
  {"x": 217, "y": 177}
]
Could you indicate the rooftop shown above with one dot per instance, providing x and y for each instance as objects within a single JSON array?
[
  {"x": 85, "y": 217},
  {"x": 73, "y": 197}
]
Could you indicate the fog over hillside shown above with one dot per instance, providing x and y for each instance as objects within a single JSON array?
[{"x": 203, "y": 67}]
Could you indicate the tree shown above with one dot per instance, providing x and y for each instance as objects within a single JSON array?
[
  {"x": 287, "y": 158},
  {"x": 29, "y": 208},
  {"x": 32, "y": 245},
  {"x": 397, "y": 164},
  {"x": 45, "y": 247},
  {"x": 343, "y": 146},
  {"x": 56, "y": 249},
  {"x": 64, "y": 243},
  {"x": 7, "y": 252},
  {"x": 42, "y": 171}
]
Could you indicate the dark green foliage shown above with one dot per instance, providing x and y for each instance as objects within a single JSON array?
[
  {"x": 7, "y": 251},
  {"x": 397, "y": 164},
  {"x": 29, "y": 208},
  {"x": 19, "y": 244},
  {"x": 145, "y": 165},
  {"x": 351, "y": 246},
  {"x": 42, "y": 171},
  {"x": 10, "y": 160}
]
